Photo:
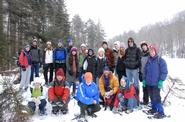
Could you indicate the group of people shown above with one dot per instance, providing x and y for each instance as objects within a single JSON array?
[{"x": 109, "y": 78}]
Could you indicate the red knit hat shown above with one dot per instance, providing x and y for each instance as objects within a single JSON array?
[
  {"x": 60, "y": 72},
  {"x": 152, "y": 47}
]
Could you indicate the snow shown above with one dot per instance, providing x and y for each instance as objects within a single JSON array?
[{"x": 175, "y": 108}]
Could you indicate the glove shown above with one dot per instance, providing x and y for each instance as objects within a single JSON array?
[
  {"x": 144, "y": 83},
  {"x": 160, "y": 84},
  {"x": 23, "y": 68},
  {"x": 140, "y": 76}
]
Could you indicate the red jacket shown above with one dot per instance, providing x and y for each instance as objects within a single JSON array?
[
  {"x": 23, "y": 60},
  {"x": 59, "y": 90},
  {"x": 128, "y": 93}
]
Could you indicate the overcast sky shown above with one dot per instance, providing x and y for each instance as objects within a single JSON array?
[{"x": 117, "y": 16}]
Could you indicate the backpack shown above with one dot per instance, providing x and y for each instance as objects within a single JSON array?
[{"x": 60, "y": 54}]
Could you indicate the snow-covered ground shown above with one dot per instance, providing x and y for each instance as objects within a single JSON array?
[{"x": 175, "y": 108}]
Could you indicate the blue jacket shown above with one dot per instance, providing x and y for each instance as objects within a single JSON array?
[
  {"x": 86, "y": 94},
  {"x": 59, "y": 54},
  {"x": 155, "y": 70}
]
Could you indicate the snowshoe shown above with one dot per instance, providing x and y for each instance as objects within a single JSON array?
[
  {"x": 80, "y": 118},
  {"x": 158, "y": 116},
  {"x": 149, "y": 112}
]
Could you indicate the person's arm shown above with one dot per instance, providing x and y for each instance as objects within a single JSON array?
[{"x": 66, "y": 92}]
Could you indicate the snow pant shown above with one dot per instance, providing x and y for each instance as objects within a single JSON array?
[
  {"x": 34, "y": 69},
  {"x": 47, "y": 67},
  {"x": 154, "y": 93},
  {"x": 42, "y": 105},
  {"x": 60, "y": 65},
  {"x": 145, "y": 95},
  {"x": 133, "y": 77},
  {"x": 91, "y": 109},
  {"x": 25, "y": 78},
  {"x": 58, "y": 104}
]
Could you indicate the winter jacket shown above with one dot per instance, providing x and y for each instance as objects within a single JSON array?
[
  {"x": 132, "y": 57},
  {"x": 59, "y": 55},
  {"x": 35, "y": 53},
  {"x": 30, "y": 91},
  {"x": 81, "y": 59},
  {"x": 144, "y": 59},
  {"x": 113, "y": 83},
  {"x": 155, "y": 70},
  {"x": 59, "y": 89},
  {"x": 91, "y": 67},
  {"x": 129, "y": 92},
  {"x": 101, "y": 63},
  {"x": 47, "y": 56},
  {"x": 25, "y": 58},
  {"x": 120, "y": 66},
  {"x": 110, "y": 58},
  {"x": 87, "y": 93}
]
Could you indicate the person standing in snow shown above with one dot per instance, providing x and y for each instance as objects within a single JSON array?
[
  {"x": 120, "y": 66},
  {"x": 133, "y": 63},
  {"x": 73, "y": 68},
  {"x": 108, "y": 86},
  {"x": 36, "y": 59},
  {"x": 48, "y": 63},
  {"x": 82, "y": 55},
  {"x": 101, "y": 63},
  {"x": 88, "y": 96},
  {"x": 25, "y": 61},
  {"x": 115, "y": 52},
  {"x": 37, "y": 95},
  {"x": 154, "y": 75},
  {"x": 58, "y": 93},
  {"x": 59, "y": 57},
  {"x": 109, "y": 56},
  {"x": 144, "y": 59},
  {"x": 126, "y": 99},
  {"x": 89, "y": 64}
]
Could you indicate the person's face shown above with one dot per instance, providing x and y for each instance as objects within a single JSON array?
[
  {"x": 106, "y": 73},
  {"x": 144, "y": 48},
  {"x": 101, "y": 54},
  {"x": 48, "y": 46},
  {"x": 90, "y": 52},
  {"x": 105, "y": 46},
  {"x": 83, "y": 48},
  {"x": 59, "y": 78},
  {"x": 131, "y": 43},
  {"x": 27, "y": 48},
  {"x": 34, "y": 43},
  {"x": 37, "y": 85},
  {"x": 152, "y": 52},
  {"x": 123, "y": 82},
  {"x": 73, "y": 52}
]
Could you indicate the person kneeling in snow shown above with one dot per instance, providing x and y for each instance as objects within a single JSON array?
[
  {"x": 58, "y": 93},
  {"x": 108, "y": 85},
  {"x": 126, "y": 99},
  {"x": 37, "y": 95},
  {"x": 88, "y": 96}
]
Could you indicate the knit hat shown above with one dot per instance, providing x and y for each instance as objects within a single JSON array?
[
  {"x": 74, "y": 49},
  {"x": 101, "y": 50},
  {"x": 143, "y": 43},
  {"x": 152, "y": 47},
  {"x": 122, "y": 45},
  {"x": 48, "y": 43},
  {"x": 83, "y": 45},
  {"x": 88, "y": 76},
  {"x": 117, "y": 43},
  {"x": 37, "y": 80},
  {"x": 27, "y": 45},
  {"x": 60, "y": 72},
  {"x": 106, "y": 68}
]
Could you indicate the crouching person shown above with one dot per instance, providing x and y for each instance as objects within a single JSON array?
[
  {"x": 58, "y": 93},
  {"x": 37, "y": 95},
  {"x": 108, "y": 85},
  {"x": 126, "y": 99},
  {"x": 88, "y": 96}
]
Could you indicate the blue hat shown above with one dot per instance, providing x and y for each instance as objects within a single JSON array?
[{"x": 106, "y": 68}]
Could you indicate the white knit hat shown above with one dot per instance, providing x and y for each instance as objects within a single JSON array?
[
  {"x": 37, "y": 80},
  {"x": 101, "y": 50},
  {"x": 83, "y": 45}
]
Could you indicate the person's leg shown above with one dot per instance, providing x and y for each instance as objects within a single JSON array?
[
  {"x": 32, "y": 106},
  {"x": 129, "y": 75},
  {"x": 27, "y": 82},
  {"x": 32, "y": 72},
  {"x": 51, "y": 72},
  {"x": 83, "y": 108},
  {"x": 94, "y": 108},
  {"x": 132, "y": 103},
  {"x": 145, "y": 96},
  {"x": 45, "y": 68},
  {"x": 23, "y": 79},
  {"x": 42, "y": 106},
  {"x": 37, "y": 70}
]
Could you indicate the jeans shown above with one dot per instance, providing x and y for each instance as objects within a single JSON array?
[
  {"x": 42, "y": 105},
  {"x": 34, "y": 69}
]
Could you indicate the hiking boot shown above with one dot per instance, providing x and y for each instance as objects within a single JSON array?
[
  {"x": 64, "y": 111},
  {"x": 159, "y": 116},
  {"x": 128, "y": 111},
  {"x": 151, "y": 111}
]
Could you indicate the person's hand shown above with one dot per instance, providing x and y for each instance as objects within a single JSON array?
[
  {"x": 94, "y": 102},
  {"x": 111, "y": 92},
  {"x": 160, "y": 84}
]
